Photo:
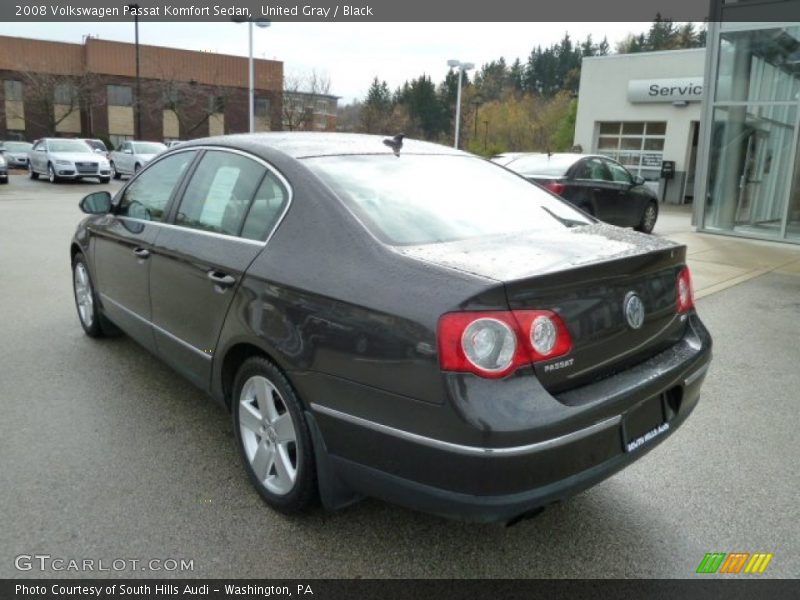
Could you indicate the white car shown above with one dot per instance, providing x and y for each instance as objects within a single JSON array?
[
  {"x": 132, "y": 156},
  {"x": 59, "y": 158}
]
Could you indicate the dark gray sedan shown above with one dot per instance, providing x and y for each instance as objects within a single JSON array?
[
  {"x": 396, "y": 319},
  {"x": 597, "y": 185}
]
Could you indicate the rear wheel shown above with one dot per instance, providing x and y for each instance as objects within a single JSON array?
[
  {"x": 649, "y": 217},
  {"x": 272, "y": 436}
]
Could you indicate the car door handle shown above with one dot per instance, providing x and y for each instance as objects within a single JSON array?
[
  {"x": 142, "y": 252},
  {"x": 221, "y": 278}
]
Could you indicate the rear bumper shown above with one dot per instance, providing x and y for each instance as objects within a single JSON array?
[{"x": 492, "y": 482}]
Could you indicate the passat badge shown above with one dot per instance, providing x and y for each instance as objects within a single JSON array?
[{"x": 634, "y": 310}]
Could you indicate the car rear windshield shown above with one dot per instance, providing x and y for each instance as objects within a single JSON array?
[
  {"x": 67, "y": 146},
  {"x": 424, "y": 199},
  {"x": 143, "y": 148},
  {"x": 541, "y": 164}
]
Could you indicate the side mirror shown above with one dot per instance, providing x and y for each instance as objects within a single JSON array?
[
  {"x": 98, "y": 203},
  {"x": 638, "y": 180}
]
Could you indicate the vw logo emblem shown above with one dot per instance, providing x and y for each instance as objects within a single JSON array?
[{"x": 634, "y": 310}]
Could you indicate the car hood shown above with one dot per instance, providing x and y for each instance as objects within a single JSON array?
[
  {"x": 77, "y": 156},
  {"x": 515, "y": 256}
]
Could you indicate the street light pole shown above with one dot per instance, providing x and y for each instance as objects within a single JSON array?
[
  {"x": 251, "y": 78},
  {"x": 137, "y": 105},
  {"x": 461, "y": 66}
]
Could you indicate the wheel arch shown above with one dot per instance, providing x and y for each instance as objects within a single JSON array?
[{"x": 232, "y": 359}]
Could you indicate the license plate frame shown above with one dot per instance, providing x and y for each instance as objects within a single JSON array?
[{"x": 644, "y": 422}]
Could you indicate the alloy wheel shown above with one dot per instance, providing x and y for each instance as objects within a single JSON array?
[
  {"x": 268, "y": 435},
  {"x": 83, "y": 294},
  {"x": 649, "y": 220},
  {"x": 51, "y": 174}
]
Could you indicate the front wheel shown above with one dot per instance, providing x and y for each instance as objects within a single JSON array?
[
  {"x": 51, "y": 174},
  {"x": 136, "y": 168},
  {"x": 114, "y": 173},
  {"x": 85, "y": 298},
  {"x": 649, "y": 217},
  {"x": 273, "y": 437},
  {"x": 33, "y": 174},
  {"x": 105, "y": 179}
]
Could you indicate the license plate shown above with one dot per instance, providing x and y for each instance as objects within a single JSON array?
[{"x": 643, "y": 423}]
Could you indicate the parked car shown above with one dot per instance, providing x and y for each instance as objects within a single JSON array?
[
  {"x": 376, "y": 327},
  {"x": 98, "y": 146},
  {"x": 596, "y": 184},
  {"x": 132, "y": 156},
  {"x": 60, "y": 158},
  {"x": 16, "y": 153},
  {"x": 3, "y": 169},
  {"x": 173, "y": 143}
]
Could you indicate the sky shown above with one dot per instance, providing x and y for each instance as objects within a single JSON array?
[{"x": 349, "y": 54}]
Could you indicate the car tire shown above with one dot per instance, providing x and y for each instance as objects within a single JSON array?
[
  {"x": 105, "y": 179},
  {"x": 51, "y": 174},
  {"x": 4, "y": 181},
  {"x": 136, "y": 168},
  {"x": 114, "y": 173},
  {"x": 33, "y": 174},
  {"x": 273, "y": 437},
  {"x": 649, "y": 218},
  {"x": 85, "y": 298}
]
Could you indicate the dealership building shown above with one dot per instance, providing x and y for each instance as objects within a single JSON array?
[{"x": 717, "y": 127}]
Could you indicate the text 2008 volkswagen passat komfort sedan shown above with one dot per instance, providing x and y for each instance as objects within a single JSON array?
[{"x": 396, "y": 320}]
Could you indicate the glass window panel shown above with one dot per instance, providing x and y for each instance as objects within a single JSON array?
[
  {"x": 219, "y": 193},
  {"x": 268, "y": 206},
  {"x": 750, "y": 165},
  {"x": 653, "y": 144},
  {"x": 607, "y": 143},
  {"x": 146, "y": 197},
  {"x": 609, "y": 128},
  {"x": 759, "y": 65},
  {"x": 631, "y": 143},
  {"x": 656, "y": 128},
  {"x": 634, "y": 128}
]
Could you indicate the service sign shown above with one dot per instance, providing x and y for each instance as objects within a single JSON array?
[{"x": 683, "y": 89}]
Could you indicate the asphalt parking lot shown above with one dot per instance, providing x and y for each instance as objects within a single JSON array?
[{"x": 107, "y": 453}]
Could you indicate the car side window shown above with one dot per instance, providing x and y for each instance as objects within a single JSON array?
[
  {"x": 146, "y": 197},
  {"x": 267, "y": 207},
  {"x": 618, "y": 173},
  {"x": 219, "y": 194},
  {"x": 594, "y": 169}
]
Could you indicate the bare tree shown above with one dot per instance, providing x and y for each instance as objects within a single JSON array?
[
  {"x": 300, "y": 96},
  {"x": 50, "y": 99},
  {"x": 191, "y": 103}
]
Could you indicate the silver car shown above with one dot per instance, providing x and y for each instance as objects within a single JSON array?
[
  {"x": 132, "y": 156},
  {"x": 16, "y": 153},
  {"x": 3, "y": 169},
  {"x": 59, "y": 158}
]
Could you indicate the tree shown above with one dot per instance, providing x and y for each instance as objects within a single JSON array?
[
  {"x": 300, "y": 96},
  {"x": 427, "y": 116},
  {"x": 376, "y": 111},
  {"x": 51, "y": 100}
]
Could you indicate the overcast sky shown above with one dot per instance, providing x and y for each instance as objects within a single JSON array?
[{"x": 350, "y": 54}]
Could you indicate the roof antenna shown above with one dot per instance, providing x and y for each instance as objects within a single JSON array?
[
  {"x": 396, "y": 143},
  {"x": 549, "y": 154}
]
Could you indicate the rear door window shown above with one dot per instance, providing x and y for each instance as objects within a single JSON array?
[
  {"x": 593, "y": 169},
  {"x": 147, "y": 196},
  {"x": 268, "y": 206},
  {"x": 218, "y": 196}
]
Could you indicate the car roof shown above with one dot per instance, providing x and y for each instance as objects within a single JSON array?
[{"x": 302, "y": 144}]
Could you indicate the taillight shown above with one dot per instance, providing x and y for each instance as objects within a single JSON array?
[
  {"x": 495, "y": 343},
  {"x": 555, "y": 187},
  {"x": 685, "y": 292}
]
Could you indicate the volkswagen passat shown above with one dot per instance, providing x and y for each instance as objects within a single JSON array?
[
  {"x": 58, "y": 159},
  {"x": 396, "y": 320}
]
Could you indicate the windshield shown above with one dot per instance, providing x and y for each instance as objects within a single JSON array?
[
  {"x": 67, "y": 146},
  {"x": 16, "y": 146},
  {"x": 541, "y": 164},
  {"x": 148, "y": 148},
  {"x": 96, "y": 145},
  {"x": 423, "y": 199}
]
